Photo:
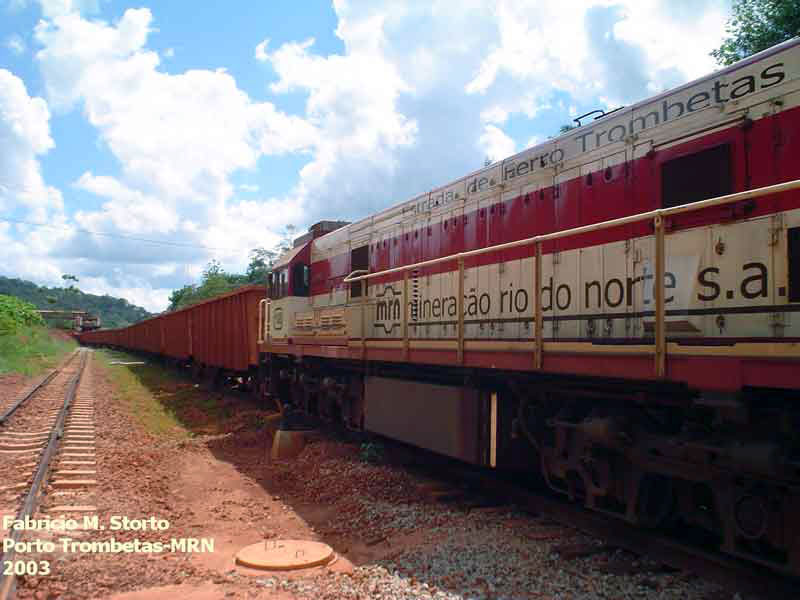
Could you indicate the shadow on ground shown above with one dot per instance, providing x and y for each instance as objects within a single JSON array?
[{"x": 238, "y": 429}]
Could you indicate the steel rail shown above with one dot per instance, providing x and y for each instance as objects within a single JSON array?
[
  {"x": 39, "y": 385},
  {"x": 8, "y": 582},
  {"x": 652, "y": 214}
]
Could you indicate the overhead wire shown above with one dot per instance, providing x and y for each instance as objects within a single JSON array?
[{"x": 117, "y": 235}]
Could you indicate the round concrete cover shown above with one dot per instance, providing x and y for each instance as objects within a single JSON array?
[{"x": 285, "y": 555}]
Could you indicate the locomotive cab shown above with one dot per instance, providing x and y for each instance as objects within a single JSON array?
[{"x": 288, "y": 288}]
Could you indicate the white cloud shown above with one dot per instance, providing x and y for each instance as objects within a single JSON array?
[
  {"x": 57, "y": 8},
  {"x": 494, "y": 114},
  {"x": 179, "y": 138},
  {"x": 533, "y": 141},
  {"x": 352, "y": 103},
  {"x": 24, "y": 135},
  {"x": 180, "y": 135},
  {"x": 127, "y": 210},
  {"x": 15, "y": 43},
  {"x": 419, "y": 95},
  {"x": 409, "y": 105},
  {"x": 604, "y": 48},
  {"x": 495, "y": 143},
  {"x": 261, "y": 51}
]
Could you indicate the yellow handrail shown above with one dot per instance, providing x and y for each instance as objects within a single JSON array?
[{"x": 658, "y": 215}]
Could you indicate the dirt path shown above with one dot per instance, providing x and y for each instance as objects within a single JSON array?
[{"x": 202, "y": 466}]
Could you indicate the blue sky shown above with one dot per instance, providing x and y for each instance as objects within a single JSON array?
[{"x": 210, "y": 127}]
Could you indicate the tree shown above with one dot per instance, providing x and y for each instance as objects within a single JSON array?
[
  {"x": 181, "y": 297},
  {"x": 72, "y": 290},
  {"x": 261, "y": 261},
  {"x": 755, "y": 26},
  {"x": 215, "y": 280},
  {"x": 114, "y": 312}
]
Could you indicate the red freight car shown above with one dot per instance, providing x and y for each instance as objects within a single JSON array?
[
  {"x": 175, "y": 343},
  {"x": 220, "y": 333},
  {"x": 224, "y": 329}
]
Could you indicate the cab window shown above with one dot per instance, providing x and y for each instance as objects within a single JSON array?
[
  {"x": 278, "y": 284},
  {"x": 301, "y": 278},
  {"x": 694, "y": 177},
  {"x": 283, "y": 282},
  {"x": 359, "y": 261}
]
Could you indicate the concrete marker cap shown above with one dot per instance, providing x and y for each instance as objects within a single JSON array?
[{"x": 285, "y": 555}]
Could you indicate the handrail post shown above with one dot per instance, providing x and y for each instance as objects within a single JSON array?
[
  {"x": 364, "y": 320},
  {"x": 260, "y": 335},
  {"x": 267, "y": 322},
  {"x": 658, "y": 289},
  {"x": 460, "y": 309},
  {"x": 537, "y": 316},
  {"x": 405, "y": 315}
]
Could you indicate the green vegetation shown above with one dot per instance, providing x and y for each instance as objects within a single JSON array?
[
  {"x": 16, "y": 313},
  {"x": 757, "y": 25},
  {"x": 113, "y": 312},
  {"x": 141, "y": 387},
  {"x": 215, "y": 281},
  {"x": 26, "y": 346},
  {"x": 168, "y": 403}
]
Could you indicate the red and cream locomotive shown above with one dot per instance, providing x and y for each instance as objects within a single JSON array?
[{"x": 616, "y": 308}]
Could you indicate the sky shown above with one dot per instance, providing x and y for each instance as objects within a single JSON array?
[{"x": 139, "y": 141}]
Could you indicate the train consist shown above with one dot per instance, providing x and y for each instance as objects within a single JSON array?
[{"x": 615, "y": 309}]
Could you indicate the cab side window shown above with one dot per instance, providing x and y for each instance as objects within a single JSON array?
[
  {"x": 301, "y": 279},
  {"x": 359, "y": 261},
  {"x": 283, "y": 283},
  {"x": 694, "y": 177}
]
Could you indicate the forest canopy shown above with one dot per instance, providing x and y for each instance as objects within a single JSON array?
[{"x": 113, "y": 312}]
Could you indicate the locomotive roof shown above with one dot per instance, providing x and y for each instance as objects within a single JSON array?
[{"x": 399, "y": 208}]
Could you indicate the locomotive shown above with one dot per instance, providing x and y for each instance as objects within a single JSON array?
[{"x": 612, "y": 309}]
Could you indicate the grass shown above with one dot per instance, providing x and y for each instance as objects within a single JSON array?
[
  {"x": 165, "y": 401},
  {"x": 31, "y": 350},
  {"x": 137, "y": 386}
]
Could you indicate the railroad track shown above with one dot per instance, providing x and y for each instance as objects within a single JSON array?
[
  {"x": 739, "y": 575},
  {"x": 46, "y": 453},
  {"x": 473, "y": 486}
]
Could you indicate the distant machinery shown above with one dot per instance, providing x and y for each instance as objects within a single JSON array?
[{"x": 81, "y": 320}]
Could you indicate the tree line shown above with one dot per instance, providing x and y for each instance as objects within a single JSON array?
[
  {"x": 113, "y": 312},
  {"x": 216, "y": 281}
]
